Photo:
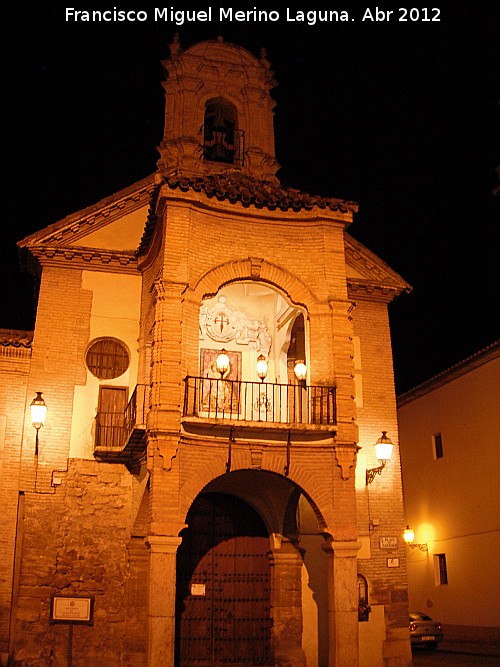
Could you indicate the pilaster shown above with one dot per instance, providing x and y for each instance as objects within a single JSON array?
[
  {"x": 342, "y": 603},
  {"x": 286, "y": 605},
  {"x": 161, "y": 599}
]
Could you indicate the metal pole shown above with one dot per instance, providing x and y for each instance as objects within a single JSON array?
[{"x": 70, "y": 645}]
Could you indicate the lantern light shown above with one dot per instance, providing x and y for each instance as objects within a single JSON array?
[
  {"x": 222, "y": 363},
  {"x": 38, "y": 409},
  {"x": 409, "y": 536},
  {"x": 383, "y": 448},
  {"x": 261, "y": 367},
  {"x": 300, "y": 370},
  {"x": 383, "y": 452}
]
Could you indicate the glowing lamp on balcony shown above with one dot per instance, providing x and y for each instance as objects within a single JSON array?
[
  {"x": 222, "y": 363},
  {"x": 300, "y": 370},
  {"x": 383, "y": 452},
  {"x": 38, "y": 410},
  {"x": 261, "y": 367}
]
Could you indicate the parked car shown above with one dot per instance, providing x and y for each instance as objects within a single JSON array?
[{"x": 424, "y": 631}]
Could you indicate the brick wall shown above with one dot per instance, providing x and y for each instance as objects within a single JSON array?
[{"x": 14, "y": 370}]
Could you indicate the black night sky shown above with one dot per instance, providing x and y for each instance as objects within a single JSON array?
[{"x": 402, "y": 117}]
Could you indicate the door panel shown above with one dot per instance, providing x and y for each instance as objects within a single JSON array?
[
  {"x": 110, "y": 416},
  {"x": 223, "y": 586}
]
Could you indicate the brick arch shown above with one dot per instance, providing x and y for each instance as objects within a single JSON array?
[
  {"x": 207, "y": 470},
  {"x": 258, "y": 270}
]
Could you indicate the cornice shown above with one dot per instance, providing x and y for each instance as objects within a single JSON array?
[
  {"x": 378, "y": 282},
  {"x": 115, "y": 261},
  {"x": 16, "y": 338},
  {"x": 364, "y": 290},
  {"x": 75, "y": 226}
]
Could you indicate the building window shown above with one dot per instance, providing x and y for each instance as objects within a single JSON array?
[
  {"x": 107, "y": 358},
  {"x": 437, "y": 445},
  {"x": 440, "y": 571}
]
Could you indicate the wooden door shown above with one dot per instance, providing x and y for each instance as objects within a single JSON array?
[
  {"x": 110, "y": 416},
  {"x": 223, "y": 586}
]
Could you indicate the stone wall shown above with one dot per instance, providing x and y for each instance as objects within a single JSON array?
[{"x": 91, "y": 548}]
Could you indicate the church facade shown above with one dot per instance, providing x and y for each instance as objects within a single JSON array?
[{"x": 214, "y": 353}]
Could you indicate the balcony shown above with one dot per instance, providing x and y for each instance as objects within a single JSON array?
[
  {"x": 278, "y": 405},
  {"x": 120, "y": 437}
]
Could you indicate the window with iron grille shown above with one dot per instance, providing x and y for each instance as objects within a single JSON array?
[{"x": 107, "y": 358}]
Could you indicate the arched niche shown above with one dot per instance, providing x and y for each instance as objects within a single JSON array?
[{"x": 249, "y": 319}]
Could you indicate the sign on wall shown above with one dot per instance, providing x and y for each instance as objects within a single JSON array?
[
  {"x": 72, "y": 609},
  {"x": 388, "y": 542}
]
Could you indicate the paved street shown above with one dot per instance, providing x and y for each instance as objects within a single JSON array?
[{"x": 424, "y": 658}]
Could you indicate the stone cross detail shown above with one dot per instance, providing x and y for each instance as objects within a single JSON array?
[{"x": 223, "y": 321}]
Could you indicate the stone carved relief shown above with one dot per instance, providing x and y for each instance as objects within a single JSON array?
[{"x": 222, "y": 324}]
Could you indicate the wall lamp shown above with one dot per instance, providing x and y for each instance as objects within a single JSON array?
[
  {"x": 409, "y": 536},
  {"x": 383, "y": 452},
  {"x": 222, "y": 363},
  {"x": 38, "y": 410}
]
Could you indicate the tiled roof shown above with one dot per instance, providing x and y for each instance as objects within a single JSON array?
[
  {"x": 236, "y": 187},
  {"x": 15, "y": 338},
  {"x": 233, "y": 186}
]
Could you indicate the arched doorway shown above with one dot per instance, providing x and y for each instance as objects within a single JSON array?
[{"x": 223, "y": 585}]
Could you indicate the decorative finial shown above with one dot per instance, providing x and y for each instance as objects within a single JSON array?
[
  {"x": 175, "y": 46},
  {"x": 263, "y": 57}
]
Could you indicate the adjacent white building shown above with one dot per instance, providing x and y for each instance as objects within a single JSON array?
[{"x": 450, "y": 452}]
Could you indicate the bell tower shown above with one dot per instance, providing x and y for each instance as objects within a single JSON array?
[{"x": 218, "y": 112}]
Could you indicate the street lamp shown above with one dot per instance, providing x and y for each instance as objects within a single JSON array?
[
  {"x": 38, "y": 410},
  {"x": 383, "y": 452}
]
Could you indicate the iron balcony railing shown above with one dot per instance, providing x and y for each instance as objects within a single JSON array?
[
  {"x": 211, "y": 398},
  {"x": 136, "y": 411},
  {"x": 109, "y": 430},
  {"x": 115, "y": 429}
]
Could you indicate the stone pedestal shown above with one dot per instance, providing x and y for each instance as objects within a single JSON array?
[{"x": 161, "y": 599}]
